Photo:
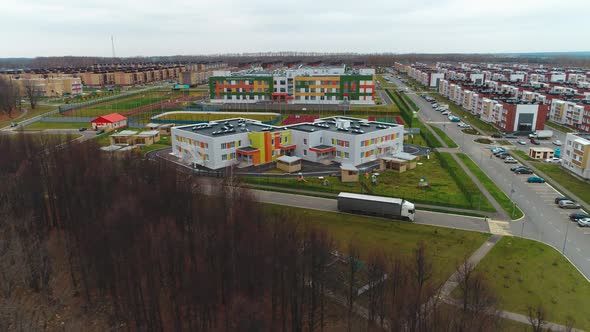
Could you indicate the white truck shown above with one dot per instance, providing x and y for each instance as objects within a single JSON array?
[
  {"x": 542, "y": 134},
  {"x": 389, "y": 207}
]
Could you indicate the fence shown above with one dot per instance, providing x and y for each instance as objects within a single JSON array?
[{"x": 69, "y": 107}]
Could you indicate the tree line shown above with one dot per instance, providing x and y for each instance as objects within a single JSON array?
[{"x": 138, "y": 246}]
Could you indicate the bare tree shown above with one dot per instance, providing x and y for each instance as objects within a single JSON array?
[
  {"x": 353, "y": 268},
  {"x": 537, "y": 317},
  {"x": 8, "y": 96},
  {"x": 464, "y": 274},
  {"x": 31, "y": 92}
]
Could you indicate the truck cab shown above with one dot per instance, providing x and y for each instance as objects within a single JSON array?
[{"x": 408, "y": 210}]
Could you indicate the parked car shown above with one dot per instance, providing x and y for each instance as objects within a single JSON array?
[
  {"x": 502, "y": 154},
  {"x": 584, "y": 222},
  {"x": 101, "y": 131},
  {"x": 13, "y": 124},
  {"x": 82, "y": 129},
  {"x": 553, "y": 160},
  {"x": 535, "y": 179},
  {"x": 496, "y": 136},
  {"x": 567, "y": 204},
  {"x": 510, "y": 160},
  {"x": 445, "y": 113},
  {"x": 534, "y": 141},
  {"x": 515, "y": 168},
  {"x": 521, "y": 142},
  {"x": 454, "y": 119},
  {"x": 557, "y": 142},
  {"x": 435, "y": 105},
  {"x": 510, "y": 136},
  {"x": 561, "y": 198},
  {"x": 578, "y": 215},
  {"x": 497, "y": 149},
  {"x": 524, "y": 171}
]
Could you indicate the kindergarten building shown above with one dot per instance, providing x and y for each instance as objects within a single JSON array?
[
  {"x": 314, "y": 85},
  {"x": 246, "y": 142}
]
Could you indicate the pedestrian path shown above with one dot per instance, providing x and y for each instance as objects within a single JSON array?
[{"x": 499, "y": 227}]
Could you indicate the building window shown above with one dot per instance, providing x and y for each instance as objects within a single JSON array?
[
  {"x": 224, "y": 157},
  {"x": 305, "y": 141},
  {"x": 346, "y": 155},
  {"x": 304, "y": 152}
]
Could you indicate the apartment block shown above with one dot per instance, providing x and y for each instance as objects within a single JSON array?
[
  {"x": 576, "y": 154},
  {"x": 51, "y": 87}
]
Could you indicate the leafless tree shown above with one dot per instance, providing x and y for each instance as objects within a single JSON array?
[
  {"x": 537, "y": 317},
  {"x": 8, "y": 96},
  {"x": 31, "y": 91}
]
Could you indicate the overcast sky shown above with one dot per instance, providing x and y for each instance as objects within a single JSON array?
[{"x": 148, "y": 27}]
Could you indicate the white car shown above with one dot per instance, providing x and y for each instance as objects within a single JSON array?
[
  {"x": 510, "y": 160},
  {"x": 553, "y": 160},
  {"x": 521, "y": 142},
  {"x": 557, "y": 142},
  {"x": 445, "y": 113},
  {"x": 584, "y": 222}
]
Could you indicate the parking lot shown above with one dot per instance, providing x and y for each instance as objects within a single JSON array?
[{"x": 543, "y": 220}]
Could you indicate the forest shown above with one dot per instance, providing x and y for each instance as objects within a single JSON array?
[{"x": 95, "y": 241}]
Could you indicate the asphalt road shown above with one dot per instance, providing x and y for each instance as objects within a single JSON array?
[{"x": 543, "y": 220}]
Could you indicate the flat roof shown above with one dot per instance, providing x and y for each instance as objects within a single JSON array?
[
  {"x": 288, "y": 159},
  {"x": 243, "y": 125},
  {"x": 372, "y": 198},
  {"x": 357, "y": 126},
  {"x": 149, "y": 133},
  {"x": 125, "y": 133},
  {"x": 229, "y": 127},
  {"x": 348, "y": 167},
  {"x": 111, "y": 148},
  {"x": 248, "y": 149}
]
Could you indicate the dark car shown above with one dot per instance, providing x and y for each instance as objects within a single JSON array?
[
  {"x": 82, "y": 129},
  {"x": 502, "y": 155},
  {"x": 496, "y": 136},
  {"x": 524, "y": 171},
  {"x": 561, "y": 198},
  {"x": 578, "y": 215},
  {"x": 101, "y": 131},
  {"x": 514, "y": 168},
  {"x": 534, "y": 141},
  {"x": 510, "y": 136}
]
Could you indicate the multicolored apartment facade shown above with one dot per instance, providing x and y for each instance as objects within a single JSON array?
[{"x": 333, "y": 85}]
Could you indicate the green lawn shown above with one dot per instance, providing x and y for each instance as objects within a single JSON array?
[
  {"x": 444, "y": 189},
  {"x": 446, "y": 247},
  {"x": 122, "y": 105},
  {"x": 450, "y": 143},
  {"x": 155, "y": 146},
  {"x": 193, "y": 116},
  {"x": 498, "y": 194},
  {"x": 40, "y": 125},
  {"x": 410, "y": 102},
  {"x": 374, "y": 108},
  {"x": 313, "y": 183},
  {"x": 521, "y": 154},
  {"x": 525, "y": 272},
  {"x": 40, "y": 109},
  {"x": 559, "y": 127},
  {"x": 579, "y": 187}
]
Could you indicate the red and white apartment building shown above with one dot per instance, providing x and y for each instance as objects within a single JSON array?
[{"x": 515, "y": 98}]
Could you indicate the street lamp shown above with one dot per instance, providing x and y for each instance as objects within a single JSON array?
[{"x": 567, "y": 228}]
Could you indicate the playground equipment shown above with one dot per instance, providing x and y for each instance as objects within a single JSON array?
[
  {"x": 300, "y": 178},
  {"x": 423, "y": 183}
]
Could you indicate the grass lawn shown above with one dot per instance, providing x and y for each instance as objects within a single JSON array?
[
  {"x": 374, "y": 108},
  {"x": 525, "y": 272},
  {"x": 446, "y": 247},
  {"x": 579, "y": 187},
  {"x": 40, "y": 125},
  {"x": 40, "y": 109},
  {"x": 444, "y": 189},
  {"x": 334, "y": 184},
  {"x": 498, "y": 194},
  {"x": 559, "y": 127},
  {"x": 207, "y": 116},
  {"x": 155, "y": 146},
  {"x": 122, "y": 105},
  {"x": 450, "y": 143},
  {"x": 410, "y": 102},
  {"x": 521, "y": 154}
]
